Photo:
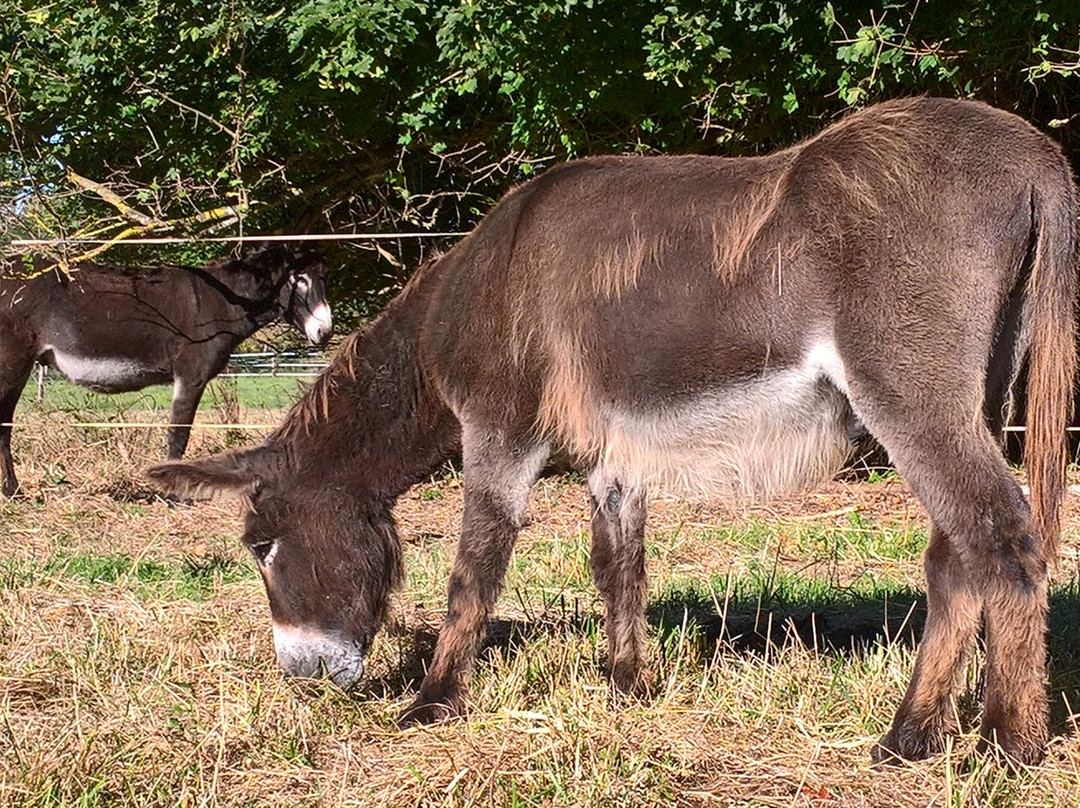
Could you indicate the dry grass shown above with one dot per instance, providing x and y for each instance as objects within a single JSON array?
[{"x": 136, "y": 665}]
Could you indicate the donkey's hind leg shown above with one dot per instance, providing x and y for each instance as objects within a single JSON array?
[
  {"x": 499, "y": 472},
  {"x": 617, "y": 561},
  {"x": 927, "y": 715},
  {"x": 996, "y": 557}
]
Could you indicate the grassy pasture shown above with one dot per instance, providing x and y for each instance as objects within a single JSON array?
[
  {"x": 136, "y": 664},
  {"x": 257, "y": 392}
]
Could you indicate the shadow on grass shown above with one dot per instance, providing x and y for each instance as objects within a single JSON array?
[
  {"x": 756, "y": 618},
  {"x": 842, "y": 622},
  {"x": 415, "y": 645},
  {"x": 127, "y": 491},
  {"x": 749, "y": 622}
]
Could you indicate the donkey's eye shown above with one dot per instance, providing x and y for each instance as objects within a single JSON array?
[
  {"x": 263, "y": 551},
  {"x": 302, "y": 282}
]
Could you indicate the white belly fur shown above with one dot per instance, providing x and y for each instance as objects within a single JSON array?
[
  {"x": 99, "y": 372},
  {"x": 781, "y": 433}
]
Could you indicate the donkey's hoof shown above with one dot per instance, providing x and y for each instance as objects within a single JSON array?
[
  {"x": 630, "y": 680},
  {"x": 1013, "y": 750},
  {"x": 900, "y": 746},
  {"x": 422, "y": 712}
]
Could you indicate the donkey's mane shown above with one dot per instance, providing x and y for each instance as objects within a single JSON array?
[
  {"x": 249, "y": 260},
  {"x": 313, "y": 406},
  {"x": 357, "y": 361}
]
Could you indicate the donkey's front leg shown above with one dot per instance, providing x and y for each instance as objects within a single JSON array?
[
  {"x": 617, "y": 561},
  {"x": 186, "y": 396},
  {"x": 498, "y": 475},
  {"x": 9, "y": 484}
]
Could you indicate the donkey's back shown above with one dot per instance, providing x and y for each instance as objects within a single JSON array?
[{"x": 689, "y": 320}]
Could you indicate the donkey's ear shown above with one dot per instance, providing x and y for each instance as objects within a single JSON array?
[{"x": 239, "y": 473}]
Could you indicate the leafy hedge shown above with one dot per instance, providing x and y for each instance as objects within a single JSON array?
[{"x": 405, "y": 114}]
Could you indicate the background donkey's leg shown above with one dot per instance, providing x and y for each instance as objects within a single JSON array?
[
  {"x": 10, "y": 392},
  {"x": 927, "y": 715},
  {"x": 617, "y": 561},
  {"x": 499, "y": 472},
  {"x": 186, "y": 396}
]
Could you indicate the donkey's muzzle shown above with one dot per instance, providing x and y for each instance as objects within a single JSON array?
[
  {"x": 319, "y": 324},
  {"x": 312, "y": 653}
]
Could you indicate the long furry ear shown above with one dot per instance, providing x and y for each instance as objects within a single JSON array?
[{"x": 240, "y": 473}]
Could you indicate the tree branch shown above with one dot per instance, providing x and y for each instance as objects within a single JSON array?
[
  {"x": 152, "y": 226},
  {"x": 109, "y": 196}
]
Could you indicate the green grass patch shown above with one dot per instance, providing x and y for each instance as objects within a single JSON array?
[
  {"x": 182, "y": 579},
  {"x": 861, "y": 538},
  {"x": 254, "y": 392}
]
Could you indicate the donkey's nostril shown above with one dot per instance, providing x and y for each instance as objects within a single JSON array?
[{"x": 346, "y": 677}]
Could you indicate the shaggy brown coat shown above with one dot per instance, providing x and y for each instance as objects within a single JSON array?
[{"x": 717, "y": 326}]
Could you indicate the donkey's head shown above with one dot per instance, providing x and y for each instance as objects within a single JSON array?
[
  {"x": 328, "y": 558},
  {"x": 302, "y": 300},
  {"x": 298, "y": 275}
]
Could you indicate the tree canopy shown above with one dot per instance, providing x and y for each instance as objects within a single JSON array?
[{"x": 152, "y": 117}]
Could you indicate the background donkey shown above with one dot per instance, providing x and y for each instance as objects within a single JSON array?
[
  {"x": 115, "y": 330},
  {"x": 718, "y": 326}
]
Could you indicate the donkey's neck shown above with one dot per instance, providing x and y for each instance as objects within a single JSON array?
[
  {"x": 253, "y": 291},
  {"x": 372, "y": 418}
]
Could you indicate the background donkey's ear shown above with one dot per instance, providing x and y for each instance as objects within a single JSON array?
[{"x": 239, "y": 473}]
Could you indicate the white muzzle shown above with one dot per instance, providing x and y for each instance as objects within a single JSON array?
[{"x": 315, "y": 654}]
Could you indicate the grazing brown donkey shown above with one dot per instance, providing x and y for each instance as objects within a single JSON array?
[{"x": 717, "y": 326}]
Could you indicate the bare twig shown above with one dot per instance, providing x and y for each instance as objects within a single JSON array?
[{"x": 146, "y": 88}]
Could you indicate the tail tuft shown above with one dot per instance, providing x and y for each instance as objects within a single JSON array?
[{"x": 1050, "y": 331}]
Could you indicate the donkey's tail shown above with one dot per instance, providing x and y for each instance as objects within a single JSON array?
[{"x": 1050, "y": 330}]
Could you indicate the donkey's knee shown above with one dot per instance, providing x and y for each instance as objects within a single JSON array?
[
  {"x": 1002, "y": 548},
  {"x": 617, "y": 559}
]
